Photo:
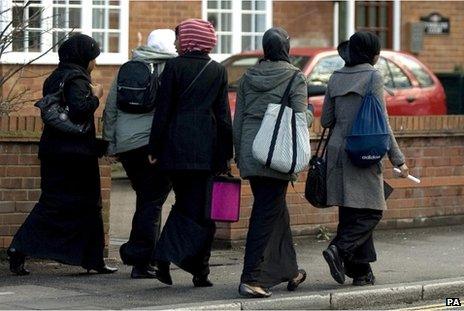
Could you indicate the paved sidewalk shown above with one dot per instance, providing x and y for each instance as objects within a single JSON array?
[{"x": 409, "y": 261}]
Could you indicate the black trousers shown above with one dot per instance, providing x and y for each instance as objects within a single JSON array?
[
  {"x": 152, "y": 188},
  {"x": 270, "y": 257},
  {"x": 188, "y": 235},
  {"x": 354, "y": 239}
]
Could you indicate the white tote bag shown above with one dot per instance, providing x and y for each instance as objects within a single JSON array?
[{"x": 282, "y": 142}]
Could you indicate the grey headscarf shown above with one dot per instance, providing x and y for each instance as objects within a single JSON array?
[{"x": 276, "y": 44}]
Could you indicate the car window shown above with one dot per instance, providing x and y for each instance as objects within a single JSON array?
[
  {"x": 237, "y": 66},
  {"x": 417, "y": 70},
  {"x": 400, "y": 79},
  {"x": 321, "y": 73},
  {"x": 382, "y": 66}
]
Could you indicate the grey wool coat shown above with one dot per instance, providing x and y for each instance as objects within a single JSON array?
[
  {"x": 261, "y": 85},
  {"x": 349, "y": 185}
]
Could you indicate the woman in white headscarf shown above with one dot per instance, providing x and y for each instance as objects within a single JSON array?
[{"x": 128, "y": 136}]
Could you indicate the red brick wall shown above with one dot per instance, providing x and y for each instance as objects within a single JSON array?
[
  {"x": 434, "y": 148},
  {"x": 20, "y": 175},
  {"x": 441, "y": 53},
  {"x": 309, "y": 23}
]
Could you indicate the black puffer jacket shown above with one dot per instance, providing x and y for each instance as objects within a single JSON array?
[
  {"x": 194, "y": 131},
  {"x": 82, "y": 105}
]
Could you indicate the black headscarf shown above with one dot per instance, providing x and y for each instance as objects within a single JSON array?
[
  {"x": 79, "y": 49},
  {"x": 364, "y": 46},
  {"x": 344, "y": 51},
  {"x": 276, "y": 44}
]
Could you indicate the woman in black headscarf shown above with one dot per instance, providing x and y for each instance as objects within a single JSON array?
[
  {"x": 358, "y": 192},
  {"x": 66, "y": 224},
  {"x": 270, "y": 257}
]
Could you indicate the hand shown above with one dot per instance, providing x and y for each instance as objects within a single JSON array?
[
  {"x": 404, "y": 171},
  {"x": 152, "y": 159},
  {"x": 97, "y": 90}
]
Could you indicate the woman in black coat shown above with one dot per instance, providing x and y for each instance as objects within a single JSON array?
[
  {"x": 66, "y": 224},
  {"x": 191, "y": 139}
]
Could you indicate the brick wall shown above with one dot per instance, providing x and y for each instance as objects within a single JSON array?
[
  {"x": 20, "y": 175},
  {"x": 309, "y": 23},
  {"x": 441, "y": 52},
  {"x": 434, "y": 148}
]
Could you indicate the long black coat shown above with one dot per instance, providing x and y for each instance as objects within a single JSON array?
[
  {"x": 82, "y": 105},
  {"x": 192, "y": 132}
]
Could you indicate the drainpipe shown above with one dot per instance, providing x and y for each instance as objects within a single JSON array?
[
  {"x": 396, "y": 25},
  {"x": 350, "y": 18},
  {"x": 336, "y": 22}
]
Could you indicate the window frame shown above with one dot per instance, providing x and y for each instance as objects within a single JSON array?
[
  {"x": 51, "y": 58},
  {"x": 237, "y": 33},
  {"x": 377, "y": 5}
]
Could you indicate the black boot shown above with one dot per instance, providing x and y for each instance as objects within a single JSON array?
[
  {"x": 17, "y": 261},
  {"x": 142, "y": 272},
  {"x": 368, "y": 279},
  {"x": 332, "y": 257},
  {"x": 162, "y": 273},
  {"x": 201, "y": 281}
]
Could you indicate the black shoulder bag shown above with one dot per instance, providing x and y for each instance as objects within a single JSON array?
[
  {"x": 54, "y": 111},
  {"x": 316, "y": 182}
]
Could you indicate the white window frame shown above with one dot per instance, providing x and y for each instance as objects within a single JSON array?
[
  {"x": 51, "y": 58},
  {"x": 236, "y": 25}
]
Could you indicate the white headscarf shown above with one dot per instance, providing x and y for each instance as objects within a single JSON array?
[{"x": 162, "y": 41}]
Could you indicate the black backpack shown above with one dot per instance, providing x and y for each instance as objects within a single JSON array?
[{"x": 137, "y": 86}]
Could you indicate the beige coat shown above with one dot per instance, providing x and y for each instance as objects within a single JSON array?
[{"x": 349, "y": 185}]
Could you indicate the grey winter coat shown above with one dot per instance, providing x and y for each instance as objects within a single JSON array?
[
  {"x": 348, "y": 185},
  {"x": 127, "y": 131},
  {"x": 263, "y": 84}
]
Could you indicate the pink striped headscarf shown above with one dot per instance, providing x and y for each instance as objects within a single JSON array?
[{"x": 196, "y": 35}]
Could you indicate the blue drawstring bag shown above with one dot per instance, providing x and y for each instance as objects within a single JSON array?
[{"x": 369, "y": 140}]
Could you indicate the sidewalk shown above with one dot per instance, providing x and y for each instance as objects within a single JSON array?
[{"x": 413, "y": 264}]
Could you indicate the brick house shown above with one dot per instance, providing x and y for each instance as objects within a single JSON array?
[{"x": 121, "y": 25}]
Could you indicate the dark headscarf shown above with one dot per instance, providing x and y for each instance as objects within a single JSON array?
[
  {"x": 344, "y": 51},
  {"x": 364, "y": 46},
  {"x": 276, "y": 44},
  {"x": 79, "y": 50}
]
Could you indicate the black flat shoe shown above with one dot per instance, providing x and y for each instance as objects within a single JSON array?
[
  {"x": 163, "y": 275},
  {"x": 293, "y": 284},
  {"x": 249, "y": 291},
  {"x": 142, "y": 273},
  {"x": 103, "y": 270},
  {"x": 201, "y": 281},
  {"x": 17, "y": 261},
  {"x": 335, "y": 264},
  {"x": 368, "y": 279}
]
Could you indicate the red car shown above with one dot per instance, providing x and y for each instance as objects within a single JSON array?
[{"x": 412, "y": 89}]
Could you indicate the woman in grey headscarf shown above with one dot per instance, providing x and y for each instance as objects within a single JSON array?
[{"x": 269, "y": 256}]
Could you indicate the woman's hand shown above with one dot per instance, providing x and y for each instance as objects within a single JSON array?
[
  {"x": 404, "y": 171},
  {"x": 97, "y": 90},
  {"x": 152, "y": 160}
]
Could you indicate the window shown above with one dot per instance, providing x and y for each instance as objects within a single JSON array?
[
  {"x": 50, "y": 21},
  {"x": 236, "y": 66},
  {"x": 239, "y": 24},
  {"x": 400, "y": 80},
  {"x": 382, "y": 66},
  {"x": 376, "y": 16},
  {"x": 321, "y": 73},
  {"x": 418, "y": 71}
]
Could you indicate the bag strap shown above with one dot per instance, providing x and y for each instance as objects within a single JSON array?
[
  {"x": 285, "y": 99},
  {"x": 195, "y": 79},
  {"x": 69, "y": 77},
  {"x": 369, "y": 85},
  {"x": 324, "y": 149}
]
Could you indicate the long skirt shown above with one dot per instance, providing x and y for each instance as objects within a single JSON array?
[
  {"x": 270, "y": 256},
  {"x": 354, "y": 239},
  {"x": 188, "y": 234},
  {"x": 66, "y": 224}
]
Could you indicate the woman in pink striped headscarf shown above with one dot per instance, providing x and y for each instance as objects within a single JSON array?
[{"x": 191, "y": 140}]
